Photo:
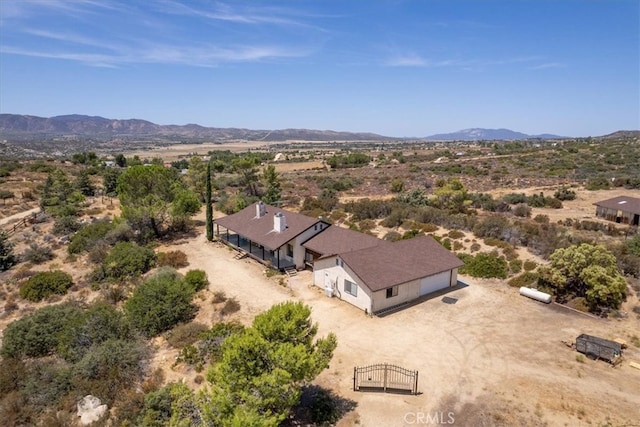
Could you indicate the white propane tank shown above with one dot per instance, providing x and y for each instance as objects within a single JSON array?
[{"x": 535, "y": 294}]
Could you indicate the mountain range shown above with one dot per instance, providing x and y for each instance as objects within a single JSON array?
[
  {"x": 478, "y": 134},
  {"x": 95, "y": 127}
]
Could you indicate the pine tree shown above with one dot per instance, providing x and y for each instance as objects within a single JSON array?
[
  {"x": 7, "y": 258},
  {"x": 209, "y": 219}
]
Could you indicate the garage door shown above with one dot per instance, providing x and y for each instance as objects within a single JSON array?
[{"x": 434, "y": 283}]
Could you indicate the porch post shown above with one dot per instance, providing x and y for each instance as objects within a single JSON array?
[
  {"x": 250, "y": 246},
  {"x": 277, "y": 254},
  {"x": 263, "y": 252},
  {"x": 238, "y": 239}
]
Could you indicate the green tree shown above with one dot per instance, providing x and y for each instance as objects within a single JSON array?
[
  {"x": 272, "y": 182},
  {"x": 633, "y": 245},
  {"x": 110, "y": 181},
  {"x": 146, "y": 196},
  {"x": 160, "y": 302},
  {"x": 83, "y": 183},
  {"x": 184, "y": 206},
  {"x": 58, "y": 195},
  {"x": 452, "y": 196},
  {"x": 209, "y": 206},
  {"x": 120, "y": 160},
  {"x": 262, "y": 369},
  {"x": 588, "y": 271},
  {"x": 7, "y": 257},
  {"x": 197, "y": 175},
  {"x": 247, "y": 168}
]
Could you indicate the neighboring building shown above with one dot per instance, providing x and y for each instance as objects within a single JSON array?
[
  {"x": 269, "y": 234},
  {"x": 367, "y": 272},
  {"x": 621, "y": 209}
]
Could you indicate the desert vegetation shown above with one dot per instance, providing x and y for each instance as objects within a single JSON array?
[{"x": 90, "y": 287}]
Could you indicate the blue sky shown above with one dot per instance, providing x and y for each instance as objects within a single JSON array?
[{"x": 397, "y": 68}]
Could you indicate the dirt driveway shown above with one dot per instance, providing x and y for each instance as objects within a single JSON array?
[{"x": 492, "y": 358}]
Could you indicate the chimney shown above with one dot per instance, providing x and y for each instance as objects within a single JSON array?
[
  {"x": 260, "y": 209},
  {"x": 279, "y": 223}
]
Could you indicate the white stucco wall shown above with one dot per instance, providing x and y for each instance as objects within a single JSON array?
[
  {"x": 374, "y": 301},
  {"x": 326, "y": 269},
  {"x": 298, "y": 250}
]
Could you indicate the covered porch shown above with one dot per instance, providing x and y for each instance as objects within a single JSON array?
[{"x": 273, "y": 258}]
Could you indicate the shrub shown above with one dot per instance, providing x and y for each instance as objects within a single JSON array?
[
  {"x": 230, "y": 306},
  {"x": 66, "y": 225},
  {"x": 522, "y": 210},
  {"x": 37, "y": 254},
  {"x": 46, "y": 283},
  {"x": 530, "y": 265},
  {"x": 456, "y": 234},
  {"x": 392, "y": 236},
  {"x": 196, "y": 279},
  {"x": 127, "y": 259},
  {"x": 485, "y": 265},
  {"x": 475, "y": 247},
  {"x": 541, "y": 219},
  {"x": 119, "y": 232},
  {"x": 109, "y": 368},
  {"x": 492, "y": 226},
  {"x": 175, "y": 259},
  {"x": 564, "y": 193},
  {"x": 160, "y": 303},
  {"x": 185, "y": 334},
  {"x": 525, "y": 279},
  {"x": 88, "y": 236},
  {"x": 210, "y": 344},
  {"x": 99, "y": 323},
  {"x": 36, "y": 334},
  {"x": 219, "y": 297},
  {"x": 515, "y": 265}
]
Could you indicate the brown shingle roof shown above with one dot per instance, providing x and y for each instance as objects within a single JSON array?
[
  {"x": 336, "y": 240},
  {"x": 623, "y": 203},
  {"x": 387, "y": 265},
  {"x": 260, "y": 230}
]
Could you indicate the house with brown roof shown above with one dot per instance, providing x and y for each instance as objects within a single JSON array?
[
  {"x": 387, "y": 274},
  {"x": 268, "y": 234},
  {"x": 367, "y": 272},
  {"x": 621, "y": 209}
]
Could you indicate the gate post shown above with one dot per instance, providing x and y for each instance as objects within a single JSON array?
[
  {"x": 384, "y": 384},
  {"x": 415, "y": 387},
  {"x": 354, "y": 378}
]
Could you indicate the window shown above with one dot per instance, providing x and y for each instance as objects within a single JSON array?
[
  {"x": 392, "y": 292},
  {"x": 350, "y": 288},
  {"x": 289, "y": 250},
  {"x": 337, "y": 261}
]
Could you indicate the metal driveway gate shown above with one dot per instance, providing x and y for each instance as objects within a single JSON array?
[{"x": 385, "y": 377}]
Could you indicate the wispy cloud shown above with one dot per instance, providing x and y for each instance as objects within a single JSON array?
[
  {"x": 94, "y": 42},
  {"x": 472, "y": 64},
  {"x": 548, "y": 65},
  {"x": 203, "y": 56}
]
